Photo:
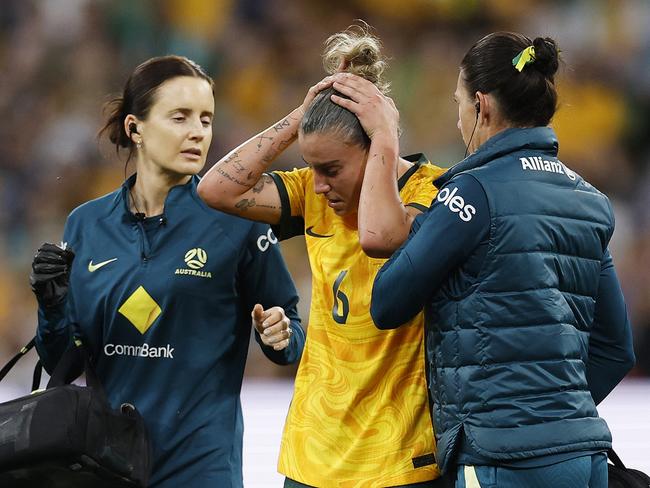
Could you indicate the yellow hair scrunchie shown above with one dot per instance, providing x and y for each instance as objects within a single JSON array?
[{"x": 524, "y": 58}]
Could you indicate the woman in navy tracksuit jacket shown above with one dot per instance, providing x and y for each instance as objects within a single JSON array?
[{"x": 161, "y": 288}]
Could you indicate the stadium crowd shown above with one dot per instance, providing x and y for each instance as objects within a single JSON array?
[{"x": 60, "y": 57}]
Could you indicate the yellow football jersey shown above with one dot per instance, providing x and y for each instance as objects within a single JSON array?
[{"x": 360, "y": 411}]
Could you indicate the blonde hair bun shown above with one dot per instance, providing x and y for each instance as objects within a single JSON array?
[{"x": 355, "y": 50}]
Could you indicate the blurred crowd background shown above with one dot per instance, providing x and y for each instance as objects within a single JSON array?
[{"x": 62, "y": 59}]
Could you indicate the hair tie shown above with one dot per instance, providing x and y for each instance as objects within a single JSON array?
[{"x": 524, "y": 58}]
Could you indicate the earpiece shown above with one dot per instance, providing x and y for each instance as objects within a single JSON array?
[
  {"x": 477, "y": 106},
  {"x": 133, "y": 129}
]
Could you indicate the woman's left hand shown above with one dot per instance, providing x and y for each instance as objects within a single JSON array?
[
  {"x": 376, "y": 111},
  {"x": 272, "y": 326}
]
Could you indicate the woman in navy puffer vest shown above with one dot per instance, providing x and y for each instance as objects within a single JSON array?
[{"x": 527, "y": 325}]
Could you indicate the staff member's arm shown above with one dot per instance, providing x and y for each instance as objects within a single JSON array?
[
  {"x": 611, "y": 355},
  {"x": 441, "y": 240},
  {"x": 270, "y": 296}
]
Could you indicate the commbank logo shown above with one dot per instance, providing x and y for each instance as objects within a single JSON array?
[
  {"x": 195, "y": 259},
  {"x": 456, "y": 203},
  {"x": 143, "y": 351},
  {"x": 140, "y": 309}
]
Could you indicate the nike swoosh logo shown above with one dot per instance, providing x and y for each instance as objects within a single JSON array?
[
  {"x": 310, "y": 232},
  {"x": 94, "y": 267}
]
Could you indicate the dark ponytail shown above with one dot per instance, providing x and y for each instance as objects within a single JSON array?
[
  {"x": 527, "y": 98},
  {"x": 114, "y": 127},
  {"x": 546, "y": 57}
]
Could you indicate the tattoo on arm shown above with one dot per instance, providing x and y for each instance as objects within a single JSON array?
[
  {"x": 284, "y": 144},
  {"x": 246, "y": 203},
  {"x": 284, "y": 123},
  {"x": 234, "y": 155},
  {"x": 238, "y": 166},
  {"x": 259, "y": 186},
  {"x": 229, "y": 177},
  {"x": 259, "y": 141}
]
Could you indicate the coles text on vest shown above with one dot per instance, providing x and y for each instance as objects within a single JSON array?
[
  {"x": 265, "y": 240},
  {"x": 456, "y": 203},
  {"x": 143, "y": 351},
  {"x": 536, "y": 163}
]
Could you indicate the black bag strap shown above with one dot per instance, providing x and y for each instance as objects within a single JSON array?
[
  {"x": 73, "y": 362},
  {"x": 613, "y": 457},
  {"x": 12, "y": 362},
  {"x": 36, "y": 377}
]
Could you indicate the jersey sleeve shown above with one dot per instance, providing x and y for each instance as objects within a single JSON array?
[
  {"x": 292, "y": 186},
  {"x": 441, "y": 239},
  {"x": 611, "y": 354},
  {"x": 55, "y": 330},
  {"x": 265, "y": 279},
  {"x": 424, "y": 190}
]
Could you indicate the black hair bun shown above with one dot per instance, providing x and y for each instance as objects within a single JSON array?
[{"x": 546, "y": 56}]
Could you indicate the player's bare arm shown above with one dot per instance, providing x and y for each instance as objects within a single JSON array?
[
  {"x": 237, "y": 184},
  {"x": 384, "y": 221}
]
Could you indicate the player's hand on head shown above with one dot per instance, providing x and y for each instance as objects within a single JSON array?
[
  {"x": 376, "y": 112},
  {"x": 273, "y": 326},
  {"x": 315, "y": 90},
  {"x": 50, "y": 275}
]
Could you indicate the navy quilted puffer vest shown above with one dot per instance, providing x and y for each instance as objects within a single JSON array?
[{"x": 508, "y": 356}]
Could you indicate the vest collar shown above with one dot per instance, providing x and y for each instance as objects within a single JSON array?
[{"x": 505, "y": 142}]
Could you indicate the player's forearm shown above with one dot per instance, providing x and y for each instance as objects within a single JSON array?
[
  {"x": 383, "y": 220},
  {"x": 241, "y": 169}
]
